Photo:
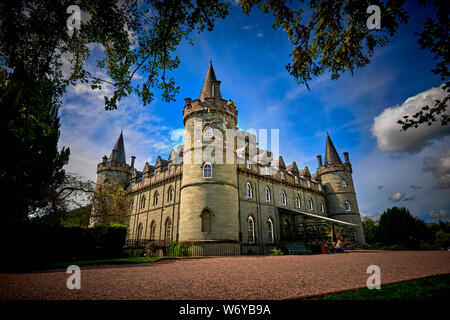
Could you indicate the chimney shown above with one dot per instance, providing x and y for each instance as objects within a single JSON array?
[
  {"x": 346, "y": 157},
  {"x": 105, "y": 158},
  {"x": 132, "y": 161},
  {"x": 319, "y": 160}
]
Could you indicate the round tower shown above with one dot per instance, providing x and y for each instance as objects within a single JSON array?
[
  {"x": 112, "y": 172},
  {"x": 209, "y": 187},
  {"x": 339, "y": 189}
]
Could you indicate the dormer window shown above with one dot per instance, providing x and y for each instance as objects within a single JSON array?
[
  {"x": 207, "y": 133},
  {"x": 308, "y": 183},
  {"x": 296, "y": 179},
  {"x": 282, "y": 175}
]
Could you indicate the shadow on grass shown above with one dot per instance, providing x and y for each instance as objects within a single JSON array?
[{"x": 436, "y": 288}]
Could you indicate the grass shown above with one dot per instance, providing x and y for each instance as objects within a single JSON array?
[
  {"x": 428, "y": 288},
  {"x": 131, "y": 260}
]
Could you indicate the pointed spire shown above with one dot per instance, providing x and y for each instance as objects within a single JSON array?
[
  {"x": 331, "y": 155},
  {"x": 211, "y": 86},
  {"x": 118, "y": 152}
]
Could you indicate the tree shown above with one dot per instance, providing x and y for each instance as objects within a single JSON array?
[
  {"x": 370, "y": 228},
  {"x": 110, "y": 204},
  {"x": 398, "y": 226}
]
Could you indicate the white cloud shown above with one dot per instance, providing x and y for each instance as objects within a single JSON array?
[
  {"x": 246, "y": 27},
  {"x": 373, "y": 216},
  {"x": 441, "y": 214},
  {"x": 440, "y": 168},
  {"x": 260, "y": 34},
  {"x": 396, "y": 196},
  {"x": 387, "y": 131}
]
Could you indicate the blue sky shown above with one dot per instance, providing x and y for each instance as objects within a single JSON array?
[{"x": 359, "y": 112}]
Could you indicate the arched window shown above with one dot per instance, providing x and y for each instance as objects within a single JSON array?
[
  {"x": 152, "y": 230},
  {"x": 140, "y": 232},
  {"x": 267, "y": 194},
  {"x": 311, "y": 204},
  {"x": 207, "y": 170},
  {"x": 283, "y": 198},
  {"x": 131, "y": 205},
  {"x": 155, "y": 198},
  {"x": 143, "y": 201},
  {"x": 248, "y": 190},
  {"x": 206, "y": 221},
  {"x": 322, "y": 206},
  {"x": 170, "y": 194},
  {"x": 251, "y": 230},
  {"x": 207, "y": 133},
  {"x": 347, "y": 206},
  {"x": 270, "y": 229},
  {"x": 344, "y": 184},
  {"x": 297, "y": 201},
  {"x": 167, "y": 228}
]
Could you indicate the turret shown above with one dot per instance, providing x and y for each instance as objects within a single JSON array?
[
  {"x": 339, "y": 189},
  {"x": 209, "y": 191},
  {"x": 113, "y": 171}
]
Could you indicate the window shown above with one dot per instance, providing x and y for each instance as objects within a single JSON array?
[
  {"x": 155, "y": 198},
  {"x": 282, "y": 175},
  {"x": 270, "y": 229},
  {"x": 287, "y": 228},
  {"x": 311, "y": 204},
  {"x": 167, "y": 228},
  {"x": 207, "y": 133},
  {"x": 157, "y": 175},
  {"x": 143, "y": 201},
  {"x": 152, "y": 230},
  {"x": 322, "y": 207},
  {"x": 171, "y": 169},
  {"x": 267, "y": 194},
  {"x": 320, "y": 187},
  {"x": 206, "y": 221},
  {"x": 308, "y": 183},
  {"x": 283, "y": 198},
  {"x": 207, "y": 170},
  {"x": 170, "y": 195},
  {"x": 131, "y": 205},
  {"x": 296, "y": 179},
  {"x": 297, "y": 201},
  {"x": 344, "y": 184},
  {"x": 251, "y": 230},
  {"x": 247, "y": 164},
  {"x": 140, "y": 231},
  {"x": 248, "y": 190},
  {"x": 347, "y": 206},
  {"x": 265, "y": 171}
]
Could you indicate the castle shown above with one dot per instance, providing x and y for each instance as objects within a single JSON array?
[{"x": 248, "y": 203}]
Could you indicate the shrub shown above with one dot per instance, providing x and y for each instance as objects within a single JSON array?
[
  {"x": 178, "y": 249},
  {"x": 276, "y": 252},
  {"x": 442, "y": 239}
]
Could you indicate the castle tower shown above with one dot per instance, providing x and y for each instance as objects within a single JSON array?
[
  {"x": 113, "y": 171},
  {"x": 339, "y": 188},
  {"x": 209, "y": 187}
]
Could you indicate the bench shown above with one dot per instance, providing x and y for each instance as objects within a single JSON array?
[{"x": 297, "y": 249}]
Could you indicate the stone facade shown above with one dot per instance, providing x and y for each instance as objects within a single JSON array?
[{"x": 175, "y": 200}]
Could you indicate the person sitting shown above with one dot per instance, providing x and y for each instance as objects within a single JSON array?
[{"x": 339, "y": 247}]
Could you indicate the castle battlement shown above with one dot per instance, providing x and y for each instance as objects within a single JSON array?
[{"x": 208, "y": 105}]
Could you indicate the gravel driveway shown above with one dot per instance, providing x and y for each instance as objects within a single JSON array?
[{"x": 268, "y": 277}]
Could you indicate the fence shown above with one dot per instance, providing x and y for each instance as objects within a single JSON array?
[{"x": 201, "y": 249}]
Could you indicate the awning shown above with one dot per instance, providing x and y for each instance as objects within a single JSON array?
[{"x": 318, "y": 216}]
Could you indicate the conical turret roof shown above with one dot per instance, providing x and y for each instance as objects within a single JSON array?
[
  {"x": 118, "y": 152},
  {"x": 331, "y": 155},
  {"x": 210, "y": 88}
]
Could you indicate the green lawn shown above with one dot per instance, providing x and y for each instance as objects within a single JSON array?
[
  {"x": 429, "y": 288},
  {"x": 105, "y": 261}
]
